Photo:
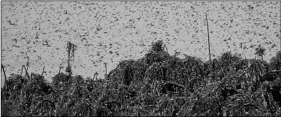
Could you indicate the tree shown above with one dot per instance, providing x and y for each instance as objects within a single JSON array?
[{"x": 260, "y": 51}]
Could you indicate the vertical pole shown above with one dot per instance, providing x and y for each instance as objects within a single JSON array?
[
  {"x": 43, "y": 71},
  {"x": 209, "y": 41},
  {"x": 59, "y": 71},
  {"x": 21, "y": 70},
  {"x": 27, "y": 63},
  {"x": 69, "y": 50},
  {"x": 4, "y": 73},
  {"x": 68, "y": 58},
  {"x": 105, "y": 64}
]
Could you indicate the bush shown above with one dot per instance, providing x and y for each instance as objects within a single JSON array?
[{"x": 157, "y": 84}]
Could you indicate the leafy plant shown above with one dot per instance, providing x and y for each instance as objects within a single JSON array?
[
  {"x": 260, "y": 51},
  {"x": 156, "y": 85}
]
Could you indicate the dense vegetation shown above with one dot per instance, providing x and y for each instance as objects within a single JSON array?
[{"x": 157, "y": 84}]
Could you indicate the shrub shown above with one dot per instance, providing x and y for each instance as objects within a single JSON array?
[{"x": 157, "y": 84}]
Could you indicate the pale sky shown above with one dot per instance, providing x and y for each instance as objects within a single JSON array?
[{"x": 117, "y": 30}]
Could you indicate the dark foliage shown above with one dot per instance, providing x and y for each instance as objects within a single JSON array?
[{"x": 156, "y": 85}]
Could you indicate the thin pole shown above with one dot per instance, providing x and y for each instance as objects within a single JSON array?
[
  {"x": 43, "y": 71},
  {"x": 4, "y": 73},
  {"x": 105, "y": 75},
  {"x": 59, "y": 71},
  {"x": 210, "y": 59},
  {"x": 27, "y": 63},
  {"x": 68, "y": 59},
  {"x": 21, "y": 70}
]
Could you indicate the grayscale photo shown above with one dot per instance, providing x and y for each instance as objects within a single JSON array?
[{"x": 140, "y": 58}]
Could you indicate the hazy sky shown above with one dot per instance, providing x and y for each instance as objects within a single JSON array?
[{"x": 113, "y": 31}]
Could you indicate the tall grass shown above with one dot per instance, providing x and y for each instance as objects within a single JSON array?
[{"x": 157, "y": 84}]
